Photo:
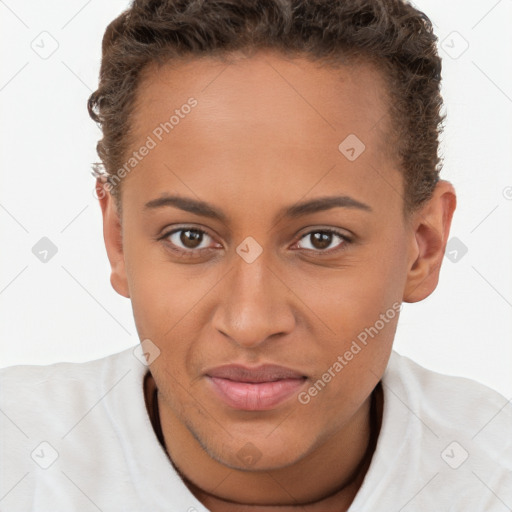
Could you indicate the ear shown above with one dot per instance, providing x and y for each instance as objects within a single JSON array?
[
  {"x": 431, "y": 228},
  {"x": 112, "y": 234}
]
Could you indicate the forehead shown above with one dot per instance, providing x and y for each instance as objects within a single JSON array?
[
  {"x": 265, "y": 119},
  {"x": 267, "y": 89}
]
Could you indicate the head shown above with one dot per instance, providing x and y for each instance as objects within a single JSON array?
[{"x": 270, "y": 190}]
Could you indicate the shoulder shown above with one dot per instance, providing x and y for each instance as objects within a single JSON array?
[
  {"x": 446, "y": 398},
  {"x": 445, "y": 444},
  {"x": 67, "y": 421},
  {"x": 38, "y": 377},
  {"x": 38, "y": 395},
  {"x": 452, "y": 433},
  {"x": 32, "y": 373}
]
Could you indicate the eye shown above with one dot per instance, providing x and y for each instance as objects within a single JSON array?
[
  {"x": 321, "y": 240},
  {"x": 188, "y": 239}
]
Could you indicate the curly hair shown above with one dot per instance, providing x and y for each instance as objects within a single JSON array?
[{"x": 391, "y": 34}]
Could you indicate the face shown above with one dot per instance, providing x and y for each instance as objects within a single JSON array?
[{"x": 251, "y": 237}]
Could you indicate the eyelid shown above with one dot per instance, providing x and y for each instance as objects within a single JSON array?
[
  {"x": 344, "y": 233},
  {"x": 347, "y": 239},
  {"x": 166, "y": 234}
]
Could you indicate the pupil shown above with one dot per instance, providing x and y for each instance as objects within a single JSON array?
[
  {"x": 322, "y": 239},
  {"x": 189, "y": 238}
]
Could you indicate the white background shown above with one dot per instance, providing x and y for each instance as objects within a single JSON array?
[{"x": 66, "y": 310}]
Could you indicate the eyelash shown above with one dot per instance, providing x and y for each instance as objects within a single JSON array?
[{"x": 195, "y": 252}]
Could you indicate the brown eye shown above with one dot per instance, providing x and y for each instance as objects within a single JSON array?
[
  {"x": 188, "y": 239},
  {"x": 321, "y": 240}
]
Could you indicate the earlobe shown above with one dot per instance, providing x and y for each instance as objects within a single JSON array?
[
  {"x": 431, "y": 226},
  {"x": 112, "y": 235}
]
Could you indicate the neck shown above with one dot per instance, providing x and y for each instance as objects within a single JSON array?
[{"x": 326, "y": 480}]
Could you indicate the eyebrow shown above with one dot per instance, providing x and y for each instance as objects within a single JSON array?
[{"x": 296, "y": 210}]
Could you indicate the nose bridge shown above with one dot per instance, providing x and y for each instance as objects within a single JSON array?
[
  {"x": 251, "y": 282},
  {"x": 253, "y": 303}
]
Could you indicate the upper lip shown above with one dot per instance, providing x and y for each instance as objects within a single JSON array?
[{"x": 263, "y": 373}]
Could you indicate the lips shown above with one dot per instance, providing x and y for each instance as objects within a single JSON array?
[{"x": 254, "y": 389}]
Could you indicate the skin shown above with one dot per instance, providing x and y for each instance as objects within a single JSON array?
[{"x": 264, "y": 136}]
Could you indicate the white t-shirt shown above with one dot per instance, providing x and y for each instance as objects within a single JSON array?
[{"x": 77, "y": 437}]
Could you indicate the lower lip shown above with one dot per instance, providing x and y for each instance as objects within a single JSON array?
[{"x": 255, "y": 397}]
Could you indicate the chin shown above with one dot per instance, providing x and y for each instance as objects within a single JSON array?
[{"x": 257, "y": 451}]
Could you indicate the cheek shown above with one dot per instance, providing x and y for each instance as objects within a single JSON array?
[
  {"x": 341, "y": 303},
  {"x": 159, "y": 294},
  {"x": 349, "y": 364},
  {"x": 166, "y": 304},
  {"x": 152, "y": 303},
  {"x": 356, "y": 310}
]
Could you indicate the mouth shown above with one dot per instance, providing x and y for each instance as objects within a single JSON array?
[{"x": 254, "y": 389}]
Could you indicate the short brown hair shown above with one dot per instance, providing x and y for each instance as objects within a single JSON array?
[{"x": 389, "y": 33}]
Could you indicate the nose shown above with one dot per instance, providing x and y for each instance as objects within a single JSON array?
[{"x": 254, "y": 305}]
